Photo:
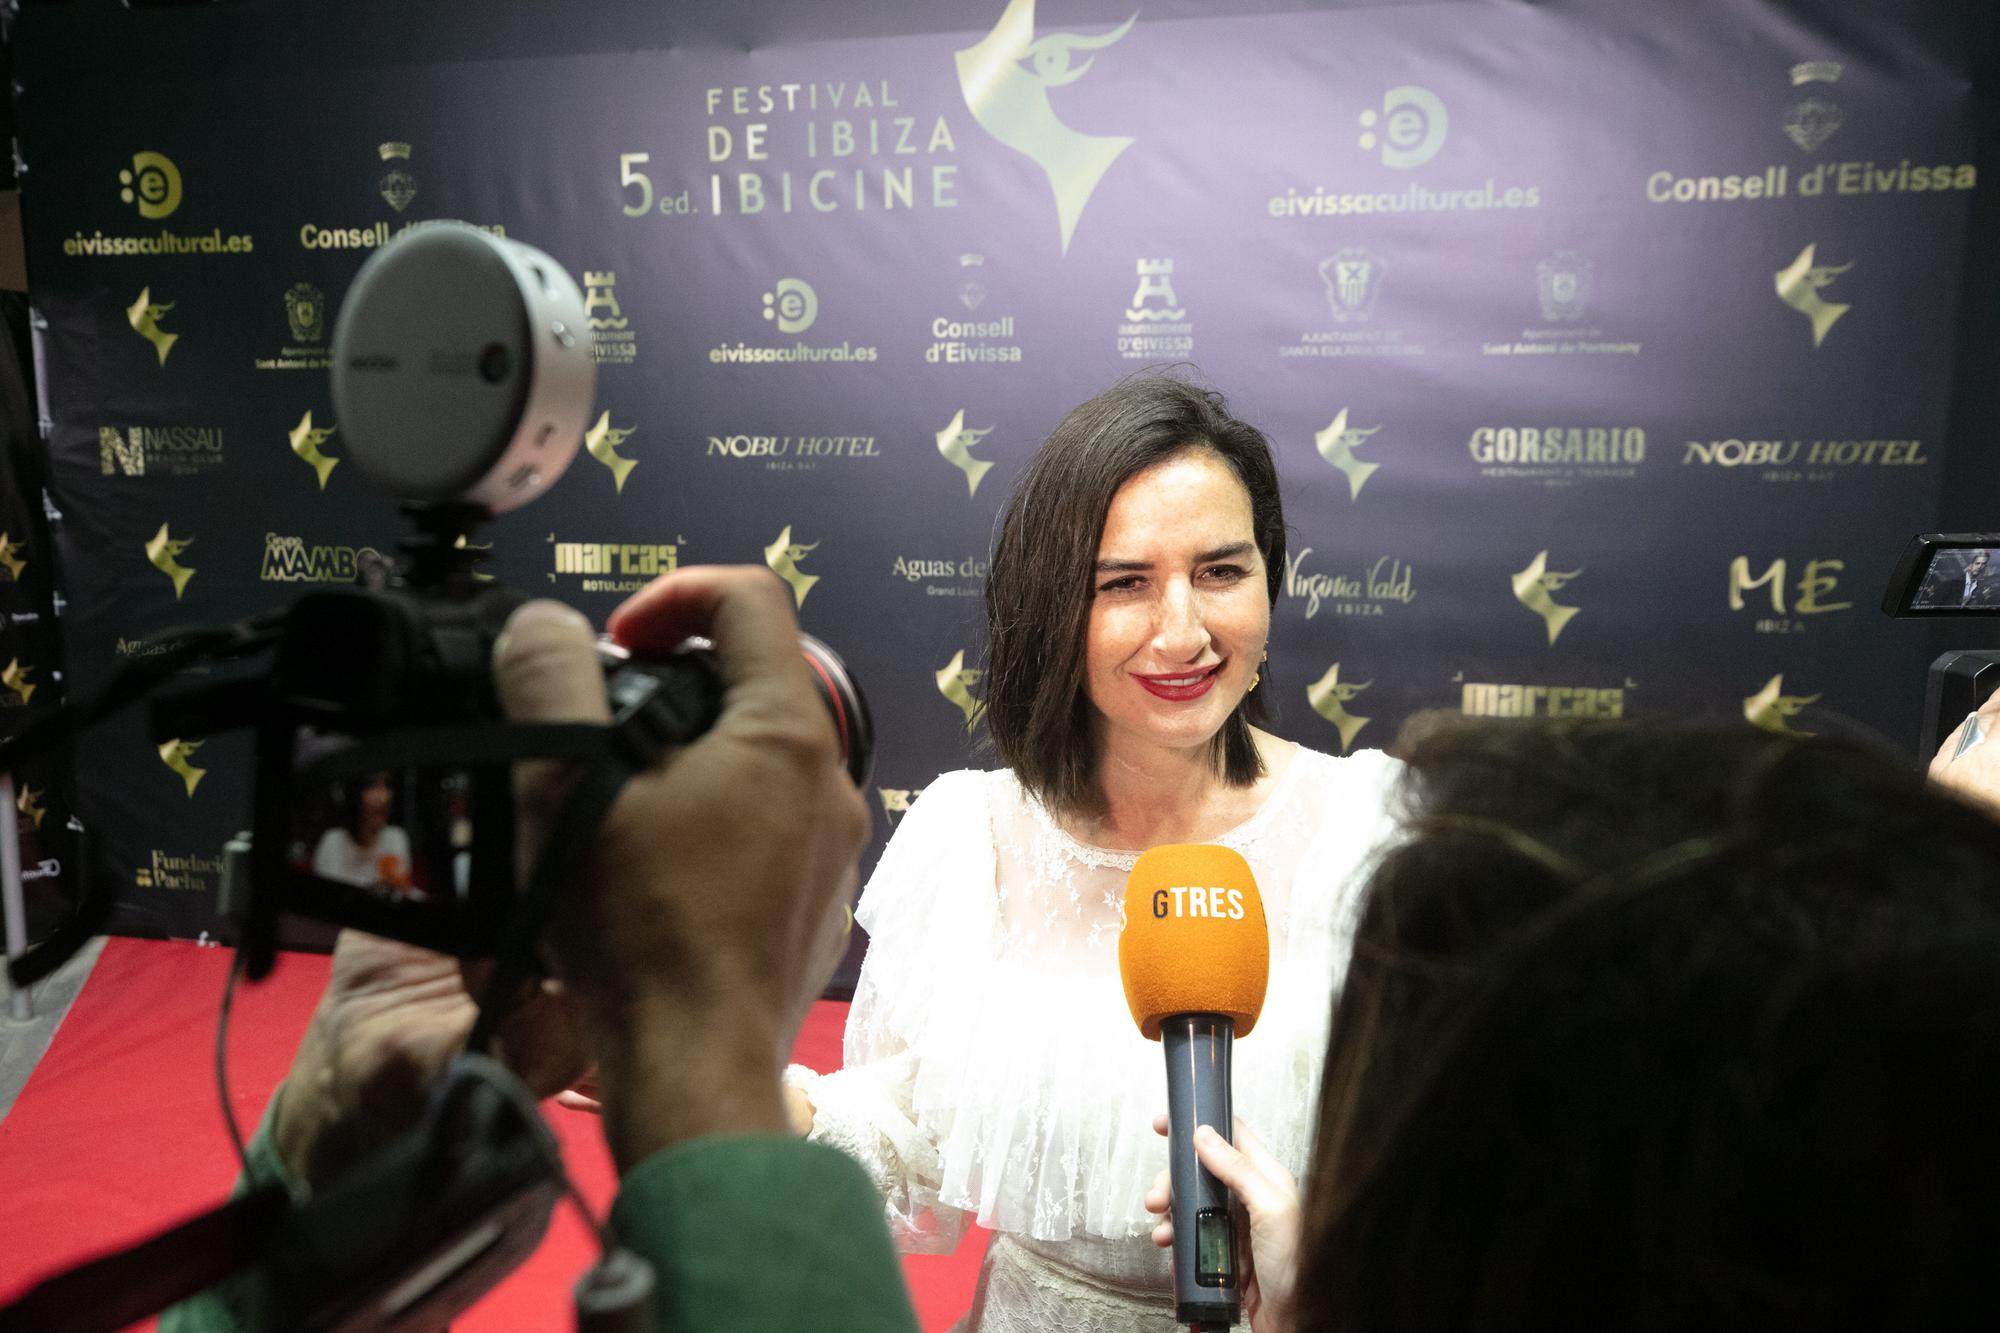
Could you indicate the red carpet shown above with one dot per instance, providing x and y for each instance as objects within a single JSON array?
[{"x": 118, "y": 1134}]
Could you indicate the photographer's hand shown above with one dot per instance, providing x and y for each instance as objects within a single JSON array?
[
  {"x": 1267, "y": 1219},
  {"x": 708, "y": 914},
  {"x": 1969, "y": 760},
  {"x": 392, "y": 1017}
]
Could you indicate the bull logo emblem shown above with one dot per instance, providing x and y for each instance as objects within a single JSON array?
[
  {"x": 956, "y": 682},
  {"x": 1329, "y": 698},
  {"x": 602, "y": 441},
  {"x": 783, "y": 556},
  {"x": 144, "y": 317},
  {"x": 956, "y": 443},
  {"x": 163, "y": 553},
  {"x": 306, "y": 440},
  {"x": 1010, "y": 101},
  {"x": 1799, "y": 285},
  {"x": 1337, "y": 445},
  {"x": 1534, "y": 588},
  {"x": 174, "y": 754},
  {"x": 15, "y": 678},
  {"x": 1770, "y": 709}
]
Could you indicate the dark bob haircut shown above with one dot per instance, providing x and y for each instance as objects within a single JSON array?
[
  {"x": 1660, "y": 1029},
  {"x": 1039, "y": 589}
]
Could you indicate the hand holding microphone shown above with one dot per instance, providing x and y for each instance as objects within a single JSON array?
[
  {"x": 1195, "y": 955},
  {"x": 1267, "y": 1235}
]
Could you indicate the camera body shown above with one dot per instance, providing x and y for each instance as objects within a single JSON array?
[
  {"x": 383, "y": 795},
  {"x": 462, "y": 374},
  {"x": 1949, "y": 576}
]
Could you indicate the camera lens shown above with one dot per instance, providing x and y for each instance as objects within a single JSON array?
[
  {"x": 849, "y": 707},
  {"x": 495, "y": 363},
  {"x": 690, "y": 675}
]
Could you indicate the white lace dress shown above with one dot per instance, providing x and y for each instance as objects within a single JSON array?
[{"x": 993, "y": 1070}]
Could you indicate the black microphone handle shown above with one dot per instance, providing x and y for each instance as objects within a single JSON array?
[{"x": 1205, "y": 1268}]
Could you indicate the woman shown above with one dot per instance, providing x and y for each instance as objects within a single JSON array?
[
  {"x": 365, "y": 849},
  {"x": 992, "y": 1069}
]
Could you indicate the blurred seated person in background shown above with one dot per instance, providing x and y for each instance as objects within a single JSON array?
[
  {"x": 1650, "y": 1028},
  {"x": 364, "y": 849}
]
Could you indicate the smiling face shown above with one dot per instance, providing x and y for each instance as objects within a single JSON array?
[{"x": 1181, "y": 609}]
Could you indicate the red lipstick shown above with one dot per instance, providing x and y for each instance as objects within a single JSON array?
[{"x": 1181, "y": 686}]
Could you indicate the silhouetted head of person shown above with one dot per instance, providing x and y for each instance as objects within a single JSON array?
[
  {"x": 366, "y": 806},
  {"x": 1658, "y": 1029}
]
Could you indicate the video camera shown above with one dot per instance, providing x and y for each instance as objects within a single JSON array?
[
  {"x": 462, "y": 377},
  {"x": 1949, "y": 575}
]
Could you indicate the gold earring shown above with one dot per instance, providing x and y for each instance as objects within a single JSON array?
[{"x": 1258, "y": 675}]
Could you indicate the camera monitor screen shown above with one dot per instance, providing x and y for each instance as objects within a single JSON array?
[
  {"x": 400, "y": 839},
  {"x": 1946, "y": 574},
  {"x": 1965, "y": 578}
]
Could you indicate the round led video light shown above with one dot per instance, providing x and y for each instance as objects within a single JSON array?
[{"x": 462, "y": 368}]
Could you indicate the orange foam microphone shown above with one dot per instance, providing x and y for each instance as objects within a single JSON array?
[{"x": 1195, "y": 956}]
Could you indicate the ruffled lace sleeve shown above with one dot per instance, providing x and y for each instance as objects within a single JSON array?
[
  {"x": 928, "y": 911},
  {"x": 993, "y": 1069}
]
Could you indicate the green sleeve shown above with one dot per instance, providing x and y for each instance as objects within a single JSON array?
[
  {"x": 237, "y": 1303},
  {"x": 763, "y": 1234},
  {"x": 753, "y": 1233}
]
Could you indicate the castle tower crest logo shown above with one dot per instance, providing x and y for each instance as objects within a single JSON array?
[
  {"x": 1799, "y": 284},
  {"x": 1007, "y": 77},
  {"x": 1153, "y": 299},
  {"x": 612, "y": 340}
]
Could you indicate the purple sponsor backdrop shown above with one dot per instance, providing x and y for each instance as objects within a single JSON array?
[{"x": 1608, "y": 353}]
